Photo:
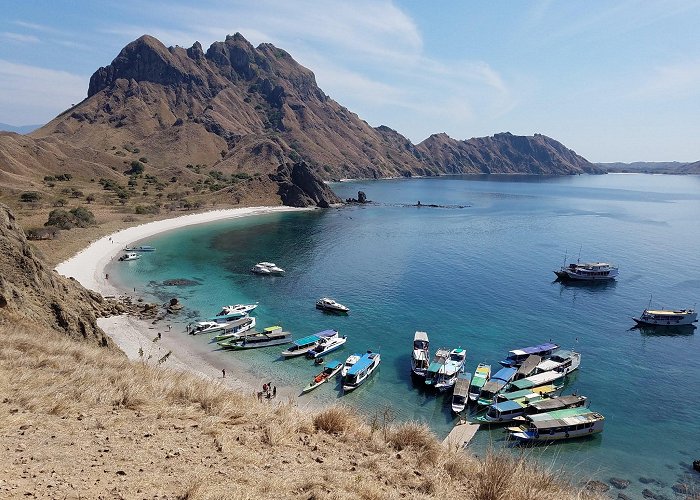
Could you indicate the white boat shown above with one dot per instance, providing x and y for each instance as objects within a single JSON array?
[
  {"x": 559, "y": 425},
  {"x": 267, "y": 268},
  {"x": 236, "y": 310},
  {"x": 516, "y": 357},
  {"x": 142, "y": 248},
  {"x": 326, "y": 345},
  {"x": 129, "y": 256},
  {"x": 331, "y": 305},
  {"x": 233, "y": 326},
  {"x": 349, "y": 363},
  {"x": 270, "y": 336},
  {"x": 236, "y": 328},
  {"x": 420, "y": 358},
  {"x": 301, "y": 346},
  {"x": 588, "y": 271},
  {"x": 667, "y": 317},
  {"x": 482, "y": 374},
  {"x": 443, "y": 372},
  {"x": 561, "y": 360},
  {"x": 329, "y": 371},
  {"x": 461, "y": 392},
  {"x": 361, "y": 371},
  {"x": 507, "y": 411}
]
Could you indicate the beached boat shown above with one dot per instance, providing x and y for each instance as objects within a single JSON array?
[
  {"x": 496, "y": 384},
  {"x": 349, "y": 363},
  {"x": 267, "y": 268},
  {"x": 129, "y": 256},
  {"x": 559, "y": 425},
  {"x": 326, "y": 346},
  {"x": 481, "y": 376},
  {"x": 667, "y": 317},
  {"x": 330, "y": 305},
  {"x": 236, "y": 328},
  {"x": 142, "y": 248},
  {"x": 461, "y": 392},
  {"x": 561, "y": 360},
  {"x": 517, "y": 356},
  {"x": 301, "y": 346},
  {"x": 420, "y": 357},
  {"x": 588, "y": 271},
  {"x": 361, "y": 371},
  {"x": 270, "y": 336},
  {"x": 507, "y": 411},
  {"x": 443, "y": 371},
  {"x": 236, "y": 310},
  {"x": 329, "y": 371}
]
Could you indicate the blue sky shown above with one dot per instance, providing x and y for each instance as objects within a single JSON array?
[{"x": 615, "y": 81}]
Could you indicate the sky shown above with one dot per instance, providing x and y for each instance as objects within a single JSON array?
[{"x": 612, "y": 80}]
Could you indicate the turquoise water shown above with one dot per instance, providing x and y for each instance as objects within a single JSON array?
[{"x": 479, "y": 277}]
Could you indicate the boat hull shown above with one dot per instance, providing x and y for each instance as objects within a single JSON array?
[
  {"x": 531, "y": 437},
  {"x": 681, "y": 321}
]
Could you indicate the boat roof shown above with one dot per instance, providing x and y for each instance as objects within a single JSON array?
[
  {"x": 306, "y": 340},
  {"x": 504, "y": 374},
  {"x": 270, "y": 329},
  {"x": 478, "y": 381},
  {"x": 583, "y": 417},
  {"x": 539, "y": 379},
  {"x": 364, "y": 362},
  {"x": 553, "y": 415},
  {"x": 420, "y": 354},
  {"x": 327, "y": 333},
  {"x": 435, "y": 367},
  {"x": 523, "y": 393},
  {"x": 555, "y": 403},
  {"x": 507, "y": 406},
  {"x": 494, "y": 385},
  {"x": 482, "y": 370},
  {"x": 529, "y": 364},
  {"x": 420, "y": 336},
  {"x": 547, "y": 346},
  {"x": 462, "y": 385},
  {"x": 333, "y": 364},
  {"x": 668, "y": 312}
]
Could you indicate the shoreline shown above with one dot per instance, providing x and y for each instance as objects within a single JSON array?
[{"x": 137, "y": 338}]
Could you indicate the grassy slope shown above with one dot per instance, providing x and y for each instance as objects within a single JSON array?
[{"x": 80, "y": 421}]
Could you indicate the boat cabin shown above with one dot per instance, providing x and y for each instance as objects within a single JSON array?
[{"x": 517, "y": 356}]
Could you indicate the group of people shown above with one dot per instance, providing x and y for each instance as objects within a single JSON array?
[{"x": 269, "y": 391}]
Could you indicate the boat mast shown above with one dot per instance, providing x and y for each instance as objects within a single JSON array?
[{"x": 578, "y": 261}]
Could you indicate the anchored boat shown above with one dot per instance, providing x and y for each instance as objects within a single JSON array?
[
  {"x": 329, "y": 371},
  {"x": 361, "y": 371},
  {"x": 507, "y": 411},
  {"x": 461, "y": 392},
  {"x": 129, "y": 256},
  {"x": 303, "y": 345},
  {"x": 330, "y": 305},
  {"x": 559, "y": 425},
  {"x": 495, "y": 385},
  {"x": 420, "y": 358},
  {"x": 443, "y": 371},
  {"x": 266, "y": 268},
  {"x": 667, "y": 317},
  {"x": 236, "y": 310},
  {"x": 142, "y": 248},
  {"x": 481, "y": 376},
  {"x": 516, "y": 357},
  {"x": 326, "y": 345},
  {"x": 589, "y": 271},
  {"x": 236, "y": 328},
  {"x": 270, "y": 336}
]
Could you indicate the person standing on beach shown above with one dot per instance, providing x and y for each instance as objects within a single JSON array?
[
  {"x": 223, "y": 373},
  {"x": 274, "y": 391}
]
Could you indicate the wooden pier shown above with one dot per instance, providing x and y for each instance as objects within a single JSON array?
[{"x": 460, "y": 435}]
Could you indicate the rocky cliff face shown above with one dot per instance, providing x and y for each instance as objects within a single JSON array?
[{"x": 34, "y": 294}]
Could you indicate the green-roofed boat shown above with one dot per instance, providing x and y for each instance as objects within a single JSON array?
[
  {"x": 270, "y": 336},
  {"x": 481, "y": 376},
  {"x": 559, "y": 425}
]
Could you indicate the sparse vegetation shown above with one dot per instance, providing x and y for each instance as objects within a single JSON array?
[
  {"x": 30, "y": 197},
  {"x": 77, "y": 217}
]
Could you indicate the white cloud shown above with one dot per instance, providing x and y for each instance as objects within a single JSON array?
[
  {"x": 18, "y": 37},
  {"x": 671, "y": 82},
  {"x": 36, "y": 94}
]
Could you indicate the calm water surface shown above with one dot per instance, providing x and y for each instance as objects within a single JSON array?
[{"x": 479, "y": 277}]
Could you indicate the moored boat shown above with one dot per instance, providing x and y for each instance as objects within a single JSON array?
[
  {"x": 461, "y": 392},
  {"x": 325, "y": 346},
  {"x": 361, "y": 371},
  {"x": 222, "y": 326},
  {"x": 267, "y": 268},
  {"x": 236, "y": 310},
  {"x": 667, "y": 317},
  {"x": 129, "y": 256},
  {"x": 528, "y": 366},
  {"x": 330, "y": 305},
  {"x": 495, "y": 385},
  {"x": 517, "y": 356},
  {"x": 561, "y": 360},
  {"x": 349, "y": 363},
  {"x": 544, "y": 378},
  {"x": 301, "y": 346},
  {"x": 236, "y": 328},
  {"x": 420, "y": 357},
  {"x": 507, "y": 411},
  {"x": 270, "y": 336},
  {"x": 329, "y": 371},
  {"x": 141, "y": 248},
  {"x": 481, "y": 375},
  {"x": 588, "y": 271},
  {"x": 559, "y": 425},
  {"x": 447, "y": 365}
]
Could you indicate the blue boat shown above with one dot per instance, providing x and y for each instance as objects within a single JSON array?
[
  {"x": 517, "y": 356},
  {"x": 495, "y": 385},
  {"x": 142, "y": 248},
  {"x": 361, "y": 370},
  {"x": 303, "y": 345}
]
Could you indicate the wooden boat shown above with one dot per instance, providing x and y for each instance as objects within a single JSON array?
[
  {"x": 329, "y": 371},
  {"x": 561, "y": 360},
  {"x": 420, "y": 357},
  {"x": 301, "y": 346},
  {"x": 461, "y": 392},
  {"x": 587, "y": 271},
  {"x": 667, "y": 317},
  {"x": 528, "y": 366},
  {"x": 325, "y": 346},
  {"x": 443, "y": 371},
  {"x": 270, "y": 336},
  {"x": 559, "y": 425},
  {"x": 517, "y": 356},
  {"x": 496, "y": 384},
  {"x": 507, "y": 411},
  {"x": 481, "y": 376},
  {"x": 532, "y": 394},
  {"x": 361, "y": 371}
]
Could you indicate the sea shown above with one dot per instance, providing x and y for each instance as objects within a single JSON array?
[{"x": 473, "y": 267}]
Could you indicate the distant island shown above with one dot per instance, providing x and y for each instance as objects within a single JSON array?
[{"x": 651, "y": 167}]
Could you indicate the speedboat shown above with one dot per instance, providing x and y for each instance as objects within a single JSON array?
[
  {"x": 517, "y": 356},
  {"x": 443, "y": 371},
  {"x": 559, "y": 425},
  {"x": 349, "y": 363},
  {"x": 303, "y": 345},
  {"x": 481, "y": 376},
  {"x": 421, "y": 354},
  {"x": 227, "y": 328},
  {"x": 361, "y": 371},
  {"x": 142, "y": 248},
  {"x": 461, "y": 392},
  {"x": 270, "y": 336},
  {"x": 326, "y": 345},
  {"x": 667, "y": 317},
  {"x": 267, "y": 268},
  {"x": 588, "y": 271},
  {"x": 330, "y": 305},
  {"x": 496, "y": 384},
  {"x": 236, "y": 310},
  {"x": 129, "y": 256},
  {"x": 329, "y": 371},
  {"x": 236, "y": 328}
]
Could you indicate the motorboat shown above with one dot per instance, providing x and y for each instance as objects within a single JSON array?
[
  {"x": 330, "y": 305},
  {"x": 420, "y": 358},
  {"x": 451, "y": 370},
  {"x": 507, "y": 411},
  {"x": 142, "y": 248},
  {"x": 226, "y": 328},
  {"x": 236, "y": 310},
  {"x": 361, "y": 371},
  {"x": 517, "y": 356},
  {"x": 326, "y": 345},
  {"x": 270, "y": 336},
  {"x": 559, "y": 425},
  {"x": 129, "y": 256},
  {"x": 236, "y": 328},
  {"x": 561, "y": 360},
  {"x": 481, "y": 375},
  {"x": 461, "y": 392},
  {"x": 267, "y": 268},
  {"x": 496, "y": 384},
  {"x": 588, "y": 271},
  {"x": 301, "y": 346},
  {"x": 667, "y": 317},
  {"x": 349, "y": 363},
  {"x": 329, "y": 371}
]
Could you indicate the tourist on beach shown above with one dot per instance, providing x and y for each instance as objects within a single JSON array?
[
  {"x": 107, "y": 276},
  {"x": 158, "y": 335},
  {"x": 223, "y": 373}
]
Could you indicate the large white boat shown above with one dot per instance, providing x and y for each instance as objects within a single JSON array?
[
  {"x": 236, "y": 310},
  {"x": 420, "y": 358},
  {"x": 562, "y": 361},
  {"x": 443, "y": 371},
  {"x": 301, "y": 346},
  {"x": 588, "y": 271},
  {"x": 559, "y": 425},
  {"x": 236, "y": 328},
  {"x": 349, "y": 363},
  {"x": 226, "y": 328},
  {"x": 506, "y": 411},
  {"x": 330, "y": 305},
  {"x": 326, "y": 345},
  {"x": 129, "y": 256},
  {"x": 667, "y": 317},
  {"x": 361, "y": 371},
  {"x": 267, "y": 268}
]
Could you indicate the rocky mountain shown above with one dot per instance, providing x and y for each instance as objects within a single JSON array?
[{"x": 653, "y": 167}]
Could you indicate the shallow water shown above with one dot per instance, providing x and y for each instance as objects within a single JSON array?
[{"x": 479, "y": 277}]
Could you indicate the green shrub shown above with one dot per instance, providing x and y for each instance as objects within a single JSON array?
[
  {"x": 136, "y": 168},
  {"x": 82, "y": 217},
  {"x": 29, "y": 197},
  {"x": 60, "y": 218}
]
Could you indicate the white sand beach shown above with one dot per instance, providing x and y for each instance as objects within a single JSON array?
[{"x": 139, "y": 339}]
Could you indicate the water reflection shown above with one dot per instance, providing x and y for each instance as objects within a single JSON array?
[{"x": 665, "y": 330}]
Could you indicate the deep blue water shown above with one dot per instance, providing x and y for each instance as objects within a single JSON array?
[{"x": 479, "y": 277}]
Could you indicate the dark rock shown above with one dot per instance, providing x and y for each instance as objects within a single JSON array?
[
  {"x": 300, "y": 186},
  {"x": 181, "y": 282},
  {"x": 361, "y": 197},
  {"x": 597, "y": 486},
  {"x": 622, "y": 496},
  {"x": 696, "y": 465},
  {"x": 618, "y": 483},
  {"x": 681, "y": 488},
  {"x": 647, "y": 493}
]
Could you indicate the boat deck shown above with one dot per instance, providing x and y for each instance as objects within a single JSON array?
[{"x": 461, "y": 435}]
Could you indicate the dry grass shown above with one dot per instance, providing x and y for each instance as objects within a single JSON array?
[{"x": 77, "y": 420}]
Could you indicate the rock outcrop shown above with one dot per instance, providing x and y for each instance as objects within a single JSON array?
[{"x": 33, "y": 293}]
